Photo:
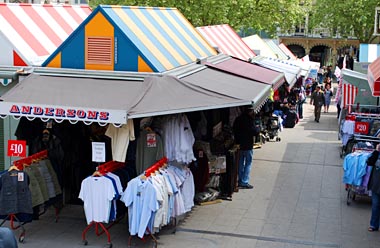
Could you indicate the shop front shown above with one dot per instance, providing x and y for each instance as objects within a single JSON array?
[{"x": 140, "y": 120}]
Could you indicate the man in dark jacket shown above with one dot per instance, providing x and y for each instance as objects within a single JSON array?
[
  {"x": 318, "y": 100},
  {"x": 374, "y": 186},
  {"x": 244, "y": 131}
]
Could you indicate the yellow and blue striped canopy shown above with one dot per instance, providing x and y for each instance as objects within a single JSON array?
[{"x": 163, "y": 35}]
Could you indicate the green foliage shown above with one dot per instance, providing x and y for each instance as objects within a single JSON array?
[
  {"x": 266, "y": 15},
  {"x": 347, "y": 18}
]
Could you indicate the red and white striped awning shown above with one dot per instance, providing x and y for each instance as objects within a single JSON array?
[
  {"x": 286, "y": 50},
  {"x": 349, "y": 94},
  {"x": 226, "y": 40},
  {"x": 35, "y": 31},
  {"x": 374, "y": 77}
]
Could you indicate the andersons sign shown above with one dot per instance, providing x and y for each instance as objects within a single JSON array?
[{"x": 68, "y": 113}]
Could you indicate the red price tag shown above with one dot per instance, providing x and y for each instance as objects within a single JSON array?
[
  {"x": 361, "y": 127},
  {"x": 16, "y": 148}
]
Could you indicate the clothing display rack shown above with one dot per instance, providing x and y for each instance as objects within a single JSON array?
[
  {"x": 354, "y": 137},
  {"x": 22, "y": 163},
  {"x": 102, "y": 170},
  {"x": 19, "y": 165},
  {"x": 148, "y": 172},
  {"x": 12, "y": 218}
]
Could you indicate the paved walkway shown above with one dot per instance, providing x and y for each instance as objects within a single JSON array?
[{"x": 298, "y": 202}]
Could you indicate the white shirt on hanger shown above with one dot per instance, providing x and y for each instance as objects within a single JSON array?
[{"x": 97, "y": 194}]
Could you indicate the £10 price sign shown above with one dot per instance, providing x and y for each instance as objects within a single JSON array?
[
  {"x": 17, "y": 148},
  {"x": 361, "y": 127}
]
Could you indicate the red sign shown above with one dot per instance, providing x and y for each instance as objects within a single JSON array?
[
  {"x": 361, "y": 127},
  {"x": 16, "y": 148}
]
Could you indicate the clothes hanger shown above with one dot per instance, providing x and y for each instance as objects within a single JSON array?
[
  {"x": 97, "y": 173},
  {"x": 149, "y": 129},
  {"x": 13, "y": 167}
]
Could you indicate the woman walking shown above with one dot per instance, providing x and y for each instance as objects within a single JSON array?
[{"x": 328, "y": 95}]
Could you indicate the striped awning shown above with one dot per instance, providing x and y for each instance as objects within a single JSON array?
[
  {"x": 374, "y": 77},
  {"x": 286, "y": 50},
  {"x": 258, "y": 45},
  {"x": 226, "y": 40},
  {"x": 250, "y": 71},
  {"x": 369, "y": 52},
  {"x": 349, "y": 94},
  {"x": 359, "y": 80},
  {"x": 35, "y": 31},
  {"x": 276, "y": 49},
  {"x": 163, "y": 35}
]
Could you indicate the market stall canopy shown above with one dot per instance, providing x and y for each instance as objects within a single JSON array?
[
  {"x": 258, "y": 46},
  {"x": 304, "y": 65},
  {"x": 374, "y": 77},
  {"x": 226, "y": 40},
  {"x": 369, "y": 52},
  {"x": 139, "y": 39},
  {"x": 313, "y": 66},
  {"x": 250, "y": 71},
  {"x": 29, "y": 33},
  {"x": 105, "y": 100},
  {"x": 170, "y": 95},
  {"x": 276, "y": 49},
  {"x": 70, "y": 98},
  {"x": 230, "y": 85},
  {"x": 358, "y": 91},
  {"x": 287, "y": 51},
  {"x": 292, "y": 72}
]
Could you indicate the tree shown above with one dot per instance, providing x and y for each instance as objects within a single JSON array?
[
  {"x": 347, "y": 18},
  {"x": 267, "y": 15}
]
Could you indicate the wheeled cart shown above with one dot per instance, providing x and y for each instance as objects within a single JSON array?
[{"x": 354, "y": 191}]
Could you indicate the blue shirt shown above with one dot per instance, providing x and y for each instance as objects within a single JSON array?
[
  {"x": 355, "y": 167},
  {"x": 141, "y": 199}
]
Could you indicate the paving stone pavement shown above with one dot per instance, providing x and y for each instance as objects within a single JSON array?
[{"x": 298, "y": 201}]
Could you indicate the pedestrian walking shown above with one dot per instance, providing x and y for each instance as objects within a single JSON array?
[
  {"x": 328, "y": 94},
  {"x": 318, "y": 100},
  {"x": 374, "y": 186},
  {"x": 244, "y": 131}
]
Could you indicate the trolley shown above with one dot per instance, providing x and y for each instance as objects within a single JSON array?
[
  {"x": 354, "y": 190},
  {"x": 273, "y": 128}
]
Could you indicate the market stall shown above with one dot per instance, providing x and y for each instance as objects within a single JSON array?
[
  {"x": 287, "y": 51},
  {"x": 125, "y": 38},
  {"x": 374, "y": 77},
  {"x": 258, "y": 46},
  {"x": 226, "y": 40},
  {"x": 29, "y": 33},
  {"x": 276, "y": 49},
  {"x": 292, "y": 72}
]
